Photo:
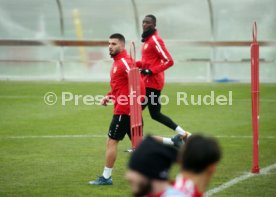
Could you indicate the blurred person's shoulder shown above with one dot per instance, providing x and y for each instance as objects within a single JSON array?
[
  {"x": 172, "y": 192},
  {"x": 187, "y": 187}
]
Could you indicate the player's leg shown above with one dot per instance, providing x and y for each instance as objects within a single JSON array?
[
  {"x": 145, "y": 103},
  {"x": 155, "y": 112},
  {"x": 176, "y": 141},
  {"x": 164, "y": 140},
  {"x": 110, "y": 157},
  {"x": 116, "y": 133}
]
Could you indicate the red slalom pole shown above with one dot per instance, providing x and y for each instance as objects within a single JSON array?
[{"x": 255, "y": 98}]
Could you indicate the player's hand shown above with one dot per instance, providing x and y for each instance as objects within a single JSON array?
[
  {"x": 104, "y": 101},
  {"x": 146, "y": 72}
]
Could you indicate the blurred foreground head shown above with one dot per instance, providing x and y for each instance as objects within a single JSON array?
[
  {"x": 200, "y": 156},
  {"x": 149, "y": 166}
]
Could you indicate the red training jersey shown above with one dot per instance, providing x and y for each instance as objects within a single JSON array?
[
  {"x": 155, "y": 57},
  {"x": 187, "y": 187},
  {"x": 169, "y": 192},
  {"x": 119, "y": 83}
]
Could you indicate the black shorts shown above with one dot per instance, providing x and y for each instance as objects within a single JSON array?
[{"x": 119, "y": 127}]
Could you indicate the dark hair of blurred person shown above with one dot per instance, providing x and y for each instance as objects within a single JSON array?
[
  {"x": 148, "y": 169},
  {"x": 198, "y": 159}
]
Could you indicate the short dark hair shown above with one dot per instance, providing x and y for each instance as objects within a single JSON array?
[
  {"x": 152, "y": 17},
  {"x": 198, "y": 153},
  {"x": 118, "y": 36}
]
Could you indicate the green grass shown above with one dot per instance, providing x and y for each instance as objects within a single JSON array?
[{"x": 63, "y": 166}]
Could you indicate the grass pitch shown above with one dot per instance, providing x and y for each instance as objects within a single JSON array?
[{"x": 55, "y": 150}]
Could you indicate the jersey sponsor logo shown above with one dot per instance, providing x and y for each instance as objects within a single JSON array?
[
  {"x": 146, "y": 46},
  {"x": 114, "y": 69}
]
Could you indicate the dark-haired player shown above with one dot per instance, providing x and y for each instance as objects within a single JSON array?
[
  {"x": 198, "y": 159},
  {"x": 120, "y": 124},
  {"x": 155, "y": 60}
]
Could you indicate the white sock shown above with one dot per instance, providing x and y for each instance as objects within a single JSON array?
[
  {"x": 180, "y": 131},
  {"x": 167, "y": 141},
  {"x": 107, "y": 172}
]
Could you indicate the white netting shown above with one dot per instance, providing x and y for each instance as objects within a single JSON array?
[{"x": 176, "y": 20}]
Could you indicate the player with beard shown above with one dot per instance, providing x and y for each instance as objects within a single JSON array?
[
  {"x": 155, "y": 60},
  {"x": 120, "y": 124}
]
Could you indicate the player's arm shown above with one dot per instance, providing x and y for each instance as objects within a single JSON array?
[{"x": 164, "y": 55}]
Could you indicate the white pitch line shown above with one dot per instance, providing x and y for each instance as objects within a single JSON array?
[
  {"x": 244, "y": 136},
  {"x": 262, "y": 100},
  {"x": 52, "y": 136},
  {"x": 208, "y": 193},
  {"x": 104, "y": 136},
  {"x": 19, "y": 97},
  {"x": 239, "y": 179}
]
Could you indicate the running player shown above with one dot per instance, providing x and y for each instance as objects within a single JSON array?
[{"x": 155, "y": 60}]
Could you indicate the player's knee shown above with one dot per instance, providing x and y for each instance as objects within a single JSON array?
[
  {"x": 156, "y": 115},
  {"x": 111, "y": 142}
]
